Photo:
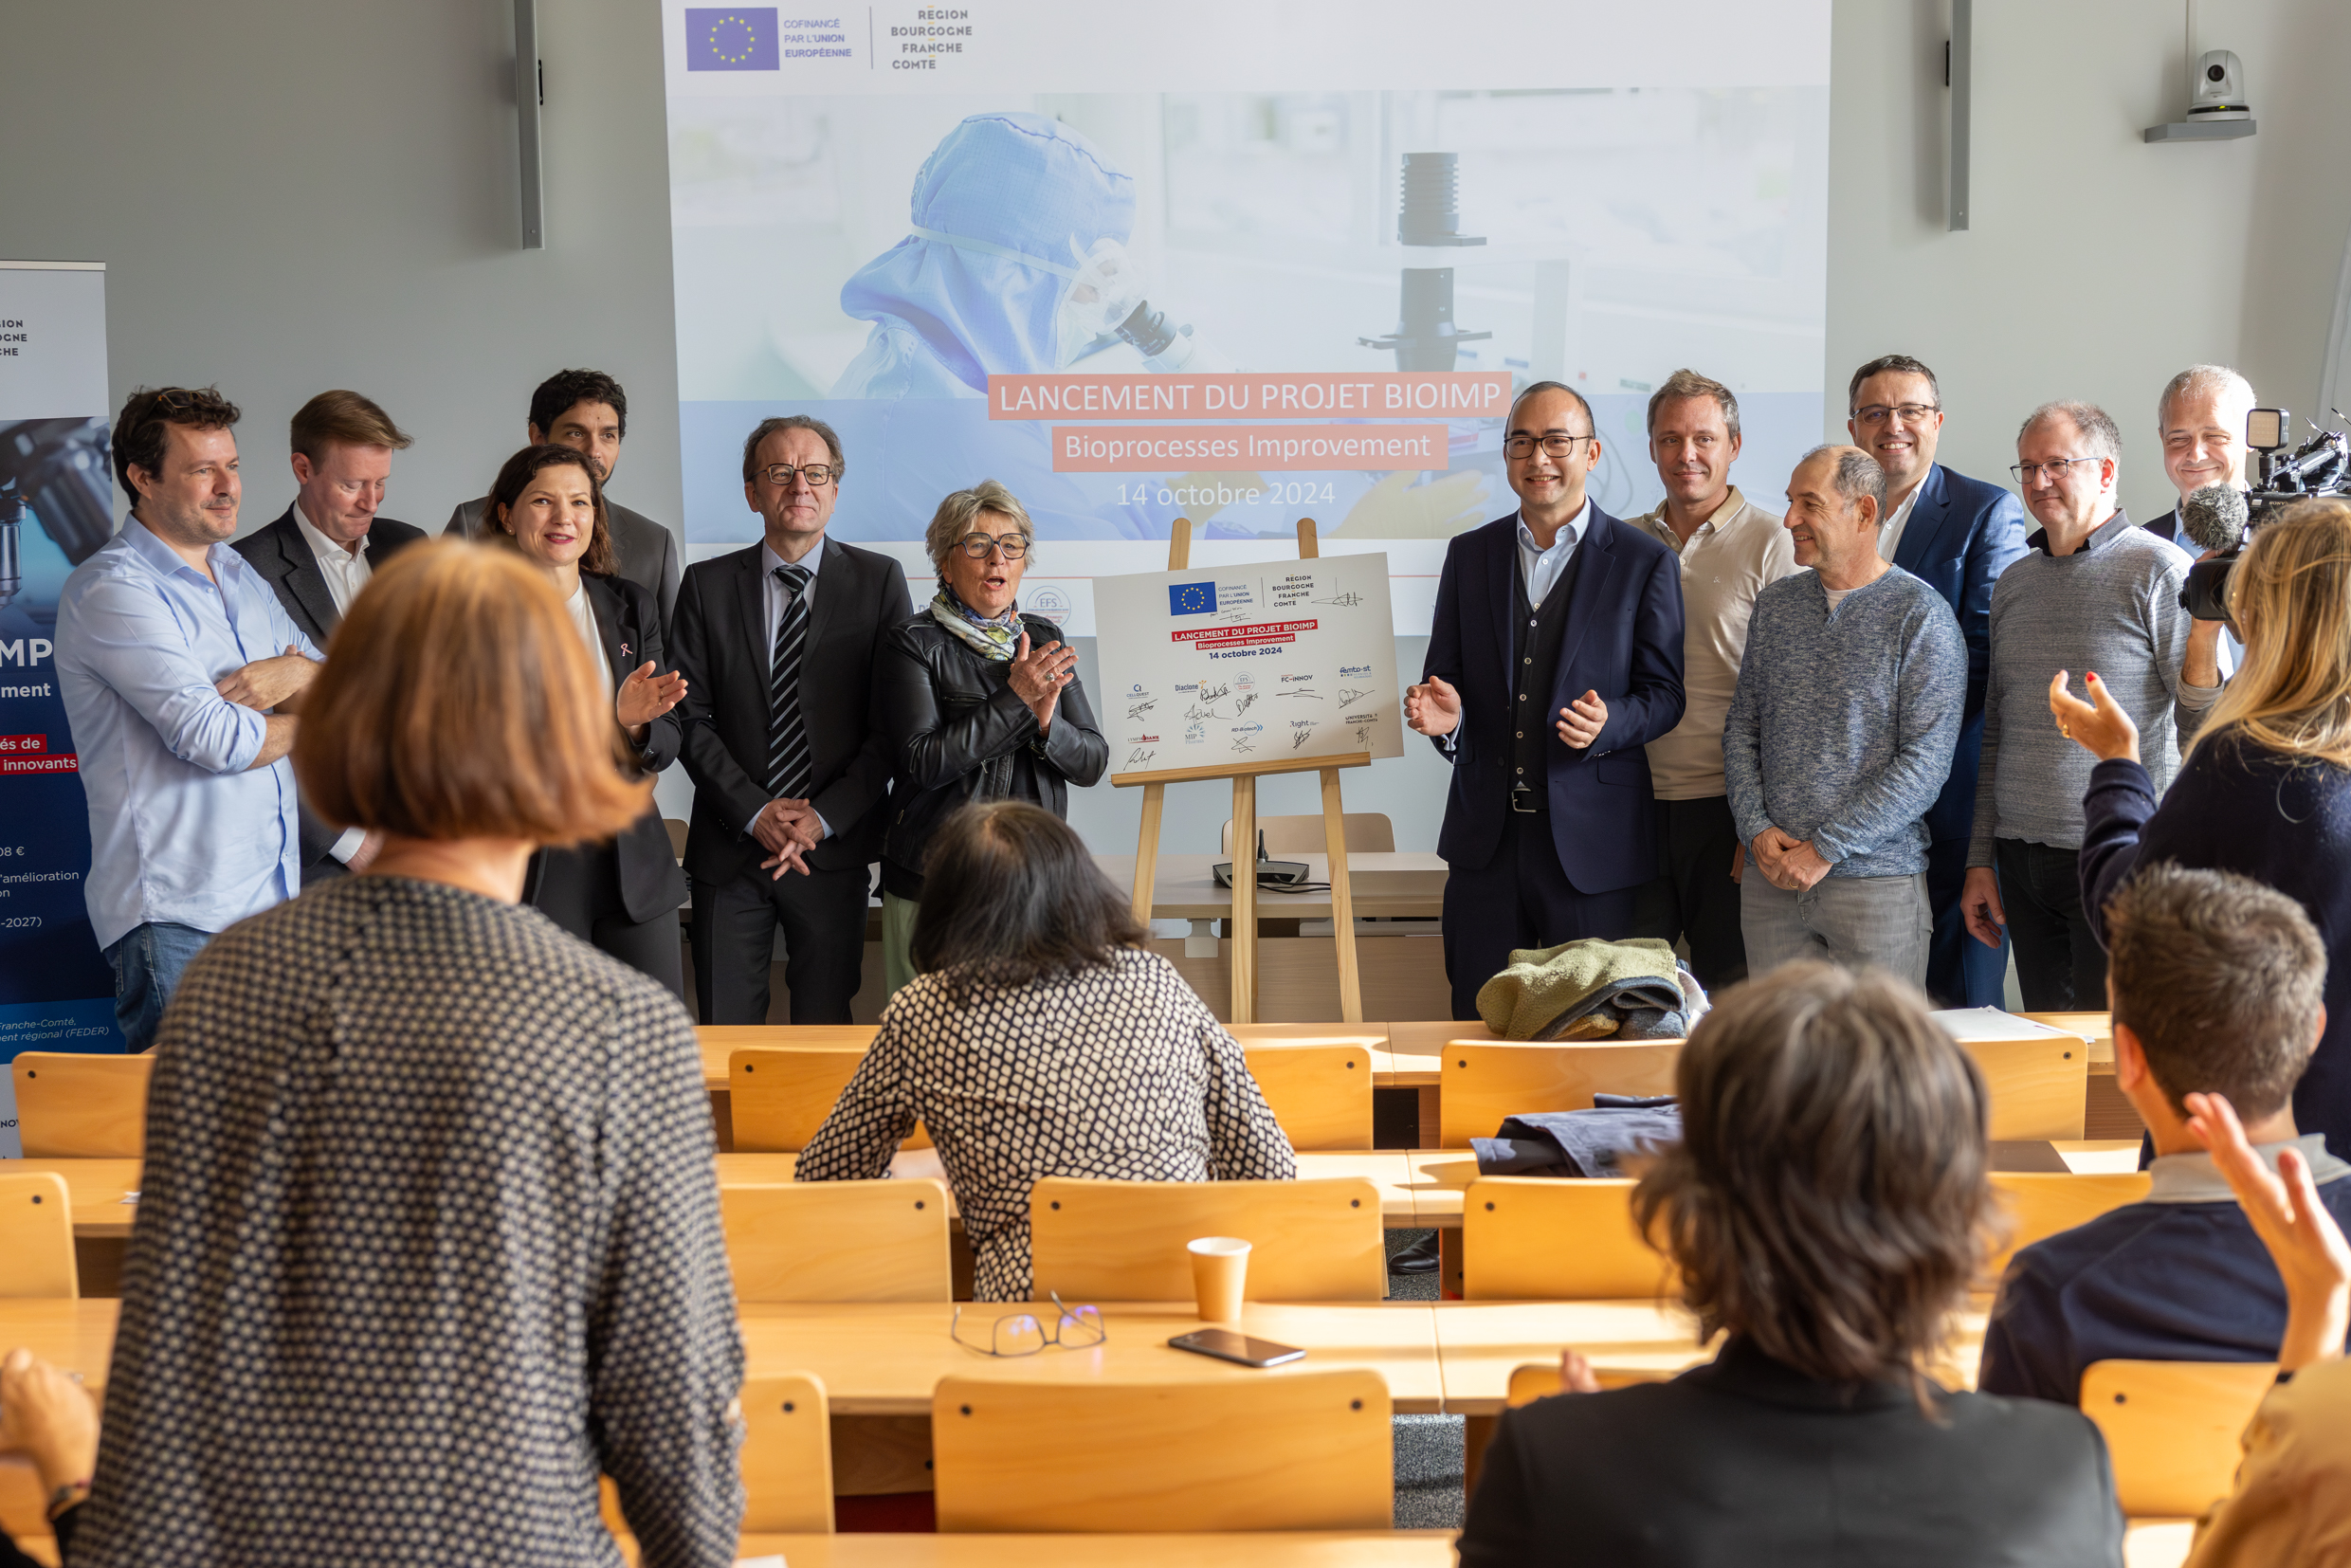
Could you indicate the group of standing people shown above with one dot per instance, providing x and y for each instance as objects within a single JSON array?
[{"x": 793, "y": 680}]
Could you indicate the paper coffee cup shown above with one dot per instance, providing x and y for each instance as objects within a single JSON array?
[{"x": 1219, "y": 1272}]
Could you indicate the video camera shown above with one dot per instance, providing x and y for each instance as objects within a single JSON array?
[{"x": 2221, "y": 518}]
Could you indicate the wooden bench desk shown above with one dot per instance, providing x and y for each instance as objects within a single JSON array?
[
  {"x": 885, "y": 1358},
  {"x": 94, "y": 1188},
  {"x": 1277, "y": 1549}
]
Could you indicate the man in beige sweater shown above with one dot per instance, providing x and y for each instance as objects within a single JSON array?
[{"x": 1730, "y": 549}]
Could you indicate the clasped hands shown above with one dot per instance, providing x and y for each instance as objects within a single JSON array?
[
  {"x": 266, "y": 684},
  {"x": 1789, "y": 863},
  {"x": 788, "y": 830},
  {"x": 1433, "y": 708}
]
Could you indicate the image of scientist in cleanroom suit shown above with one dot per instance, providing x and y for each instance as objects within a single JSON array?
[{"x": 1018, "y": 225}]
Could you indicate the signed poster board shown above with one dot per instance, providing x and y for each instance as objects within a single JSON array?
[{"x": 1237, "y": 666}]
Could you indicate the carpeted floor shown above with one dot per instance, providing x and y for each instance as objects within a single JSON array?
[{"x": 1428, "y": 1447}]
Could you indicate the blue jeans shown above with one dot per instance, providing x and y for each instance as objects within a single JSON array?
[{"x": 148, "y": 962}]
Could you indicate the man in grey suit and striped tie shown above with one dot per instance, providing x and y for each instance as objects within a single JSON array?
[{"x": 778, "y": 643}]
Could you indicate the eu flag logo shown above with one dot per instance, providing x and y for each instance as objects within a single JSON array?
[
  {"x": 731, "y": 38},
  {"x": 1191, "y": 599}
]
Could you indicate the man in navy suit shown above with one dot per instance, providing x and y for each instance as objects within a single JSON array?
[
  {"x": 1555, "y": 656},
  {"x": 1958, "y": 535}
]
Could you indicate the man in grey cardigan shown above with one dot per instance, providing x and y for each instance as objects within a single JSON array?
[
  {"x": 1841, "y": 735},
  {"x": 2091, "y": 592}
]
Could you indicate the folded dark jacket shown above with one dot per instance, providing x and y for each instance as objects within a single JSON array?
[{"x": 1580, "y": 1143}]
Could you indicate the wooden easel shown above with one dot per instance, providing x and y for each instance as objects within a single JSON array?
[{"x": 1244, "y": 776}]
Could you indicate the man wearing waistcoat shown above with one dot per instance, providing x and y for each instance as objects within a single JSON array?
[{"x": 1555, "y": 656}]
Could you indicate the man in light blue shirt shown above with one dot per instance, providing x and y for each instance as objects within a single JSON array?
[{"x": 180, "y": 670}]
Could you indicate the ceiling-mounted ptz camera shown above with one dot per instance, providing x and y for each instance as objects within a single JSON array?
[{"x": 2219, "y": 88}]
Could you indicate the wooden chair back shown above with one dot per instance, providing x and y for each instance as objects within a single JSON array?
[
  {"x": 786, "y": 1456},
  {"x": 2039, "y": 1204},
  {"x": 780, "y": 1095},
  {"x": 1367, "y": 833},
  {"x": 2040, "y": 1087},
  {"x": 2174, "y": 1429},
  {"x": 36, "y": 1236},
  {"x": 1125, "y": 1241},
  {"x": 73, "y": 1105},
  {"x": 1293, "y": 1450},
  {"x": 1481, "y": 1084},
  {"x": 1320, "y": 1094},
  {"x": 1538, "y": 1239},
  {"x": 838, "y": 1241}
]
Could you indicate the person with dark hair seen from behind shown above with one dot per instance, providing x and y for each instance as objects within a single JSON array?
[
  {"x": 428, "y": 1232},
  {"x": 2265, "y": 790},
  {"x": 588, "y": 411},
  {"x": 1826, "y": 1211},
  {"x": 621, "y": 895},
  {"x": 49, "y": 1420},
  {"x": 2215, "y": 983},
  {"x": 980, "y": 702},
  {"x": 320, "y": 551},
  {"x": 1839, "y": 735},
  {"x": 2093, "y": 592},
  {"x": 1555, "y": 658},
  {"x": 781, "y": 646},
  {"x": 1729, "y": 550},
  {"x": 2292, "y": 1501},
  {"x": 180, "y": 673},
  {"x": 1039, "y": 1038},
  {"x": 1956, "y": 535}
]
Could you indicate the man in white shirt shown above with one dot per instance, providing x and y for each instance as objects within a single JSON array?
[
  {"x": 319, "y": 553},
  {"x": 2201, "y": 418},
  {"x": 1729, "y": 548}
]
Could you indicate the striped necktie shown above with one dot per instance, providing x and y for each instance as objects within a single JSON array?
[{"x": 789, "y": 775}]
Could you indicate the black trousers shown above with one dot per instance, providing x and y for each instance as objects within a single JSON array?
[
  {"x": 823, "y": 917},
  {"x": 1693, "y": 895},
  {"x": 2060, "y": 967},
  {"x": 580, "y": 890},
  {"x": 1961, "y": 970},
  {"x": 1519, "y": 899}
]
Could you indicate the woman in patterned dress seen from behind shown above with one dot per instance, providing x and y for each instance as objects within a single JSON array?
[
  {"x": 428, "y": 1230},
  {"x": 1040, "y": 1038}
]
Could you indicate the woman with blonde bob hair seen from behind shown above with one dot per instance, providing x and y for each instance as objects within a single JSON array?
[
  {"x": 2265, "y": 790},
  {"x": 428, "y": 1230},
  {"x": 1826, "y": 1211}
]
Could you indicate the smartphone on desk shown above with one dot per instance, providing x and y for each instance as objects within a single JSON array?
[{"x": 1226, "y": 1345}]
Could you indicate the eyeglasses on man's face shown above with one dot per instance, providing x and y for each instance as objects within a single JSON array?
[
  {"x": 1871, "y": 415},
  {"x": 1519, "y": 447},
  {"x": 978, "y": 545},
  {"x": 2030, "y": 473},
  {"x": 817, "y": 474},
  {"x": 1022, "y": 1334}
]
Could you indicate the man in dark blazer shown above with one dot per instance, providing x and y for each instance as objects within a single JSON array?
[
  {"x": 588, "y": 411},
  {"x": 1957, "y": 534},
  {"x": 778, "y": 643},
  {"x": 322, "y": 551},
  {"x": 1555, "y": 656}
]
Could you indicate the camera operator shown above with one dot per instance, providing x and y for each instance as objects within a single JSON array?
[{"x": 2266, "y": 789}]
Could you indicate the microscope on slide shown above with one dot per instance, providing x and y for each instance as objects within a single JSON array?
[
  {"x": 53, "y": 469},
  {"x": 1429, "y": 215}
]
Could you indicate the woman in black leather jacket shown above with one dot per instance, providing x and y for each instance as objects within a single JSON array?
[{"x": 980, "y": 701}]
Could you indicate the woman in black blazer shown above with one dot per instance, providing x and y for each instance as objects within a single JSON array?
[
  {"x": 623, "y": 894},
  {"x": 1827, "y": 1209}
]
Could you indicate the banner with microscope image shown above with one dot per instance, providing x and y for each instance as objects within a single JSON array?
[
  {"x": 56, "y": 508},
  {"x": 1235, "y": 263}
]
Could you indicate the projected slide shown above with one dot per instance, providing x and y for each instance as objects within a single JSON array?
[{"x": 1234, "y": 263}]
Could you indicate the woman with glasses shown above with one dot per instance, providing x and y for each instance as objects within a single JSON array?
[
  {"x": 2264, "y": 791},
  {"x": 978, "y": 701},
  {"x": 620, "y": 895},
  {"x": 1041, "y": 1039}
]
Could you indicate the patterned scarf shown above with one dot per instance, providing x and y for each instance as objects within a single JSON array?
[{"x": 998, "y": 639}]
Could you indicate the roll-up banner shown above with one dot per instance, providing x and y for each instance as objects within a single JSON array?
[
  {"x": 1234, "y": 262},
  {"x": 56, "y": 508}
]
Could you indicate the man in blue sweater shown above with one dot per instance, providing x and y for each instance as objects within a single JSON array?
[
  {"x": 1840, "y": 735},
  {"x": 2217, "y": 985}
]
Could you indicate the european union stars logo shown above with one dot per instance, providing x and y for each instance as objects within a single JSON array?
[
  {"x": 1191, "y": 599},
  {"x": 741, "y": 38}
]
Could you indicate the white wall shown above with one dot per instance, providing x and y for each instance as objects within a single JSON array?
[{"x": 291, "y": 198}]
